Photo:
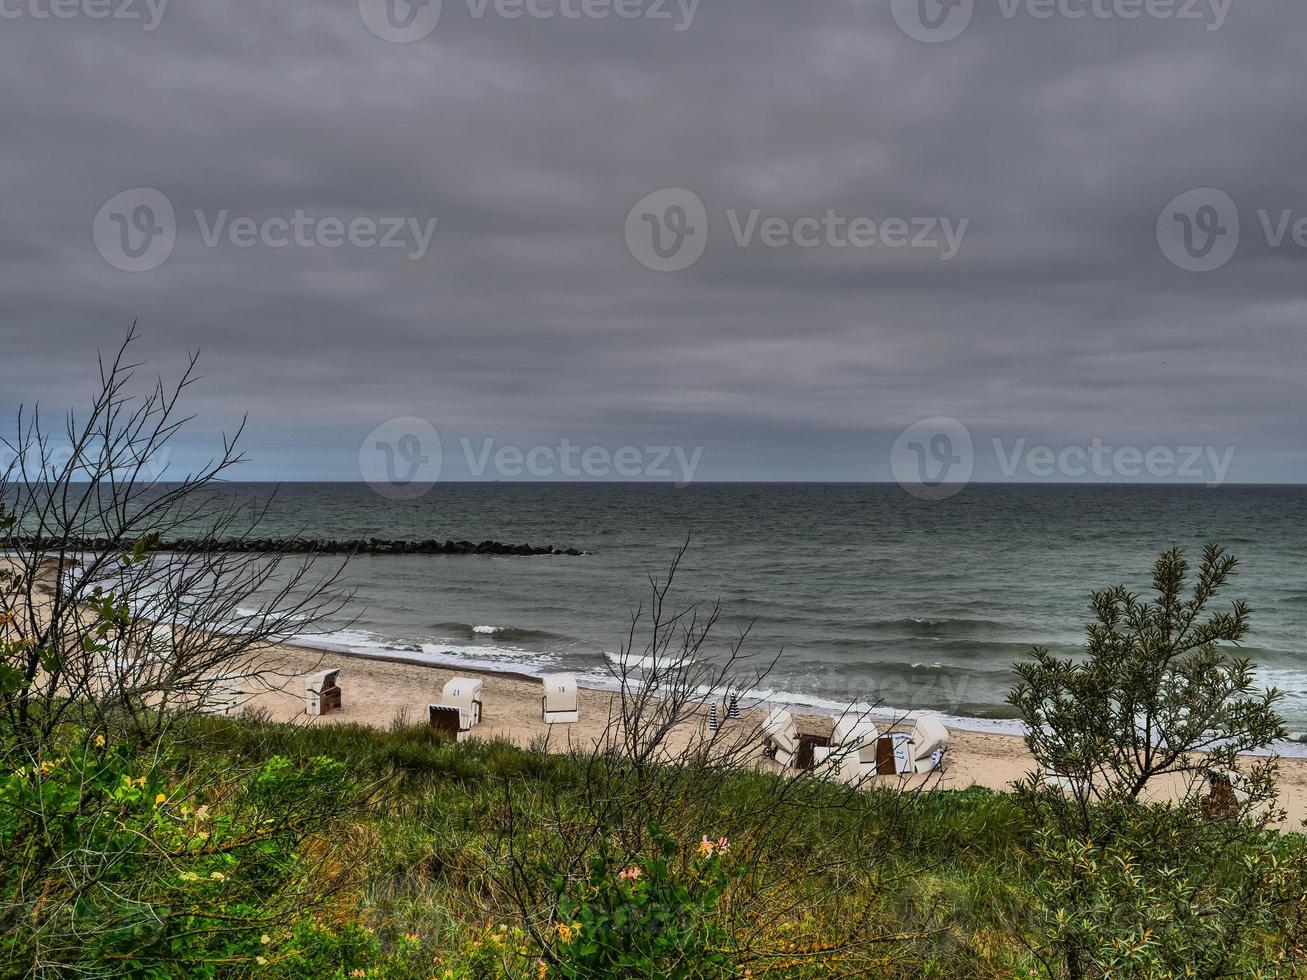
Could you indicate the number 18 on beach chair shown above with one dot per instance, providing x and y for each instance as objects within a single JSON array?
[{"x": 559, "y": 705}]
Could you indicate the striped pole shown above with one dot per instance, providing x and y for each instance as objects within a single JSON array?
[
  {"x": 734, "y": 710},
  {"x": 712, "y": 717}
]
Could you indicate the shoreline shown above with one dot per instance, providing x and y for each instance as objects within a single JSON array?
[
  {"x": 797, "y": 703},
  {"x": 381, "y": 690}
]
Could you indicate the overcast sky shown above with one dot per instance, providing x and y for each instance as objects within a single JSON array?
[{"x": 1032, "y": 159}]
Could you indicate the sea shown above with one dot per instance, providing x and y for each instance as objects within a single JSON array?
[{"x": 860, "y": 594}]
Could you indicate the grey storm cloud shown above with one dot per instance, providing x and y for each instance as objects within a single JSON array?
[{"x": 1058, "y": 139}]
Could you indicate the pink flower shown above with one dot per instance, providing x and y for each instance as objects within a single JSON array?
[
  {"x": 707, "y": 848},
  {"x": 630, "y": 874}
]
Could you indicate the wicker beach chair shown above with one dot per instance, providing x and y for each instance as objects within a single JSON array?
[
  {"x": 854, "y": 742},
  {"x": 559, "y": 705},
  {"x": 927, "y": 744},
  {"x": 322, "y": 692},
  {"x": 780, "y": 738},
  {"x": 464, "y": 693},
  {"x": 450, "y": 721}
]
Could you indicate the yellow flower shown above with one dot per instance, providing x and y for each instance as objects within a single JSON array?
[
  {"x": 99, "y": 741},
  {"x": 260, "y": 960},
  {"x": 218, "y": 876},
  {"x": 564, "y": 932},
  {"x": 265, "y": 939},
  {"x": 159, "y": 799}
]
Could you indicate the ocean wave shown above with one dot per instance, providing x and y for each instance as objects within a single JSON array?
[
  {"x": 935, "y": 626},
  {"x": 472, "y": 631},
  {"x": 487, "y": 657}
]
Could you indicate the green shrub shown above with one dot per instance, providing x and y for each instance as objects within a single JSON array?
[
  {"x": 113, "y": 866},
  {"x": 656, "y": 917}
]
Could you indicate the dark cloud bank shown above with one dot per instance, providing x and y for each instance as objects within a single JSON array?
[{"x": 1055, "y": 141}]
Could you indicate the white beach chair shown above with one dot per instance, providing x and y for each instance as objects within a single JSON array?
[
  {"x": 322, "y": 692},
  {"x": 780, "y": 740},
  {"x": 464, "y": 693},
  {"x": 559, "y": 705},
  {"x": 927, "y": 744},
  {"x": 450, "y": 720},
  {"x": 855, "y": 742}
]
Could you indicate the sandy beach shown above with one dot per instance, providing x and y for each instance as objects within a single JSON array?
[{"x": 377, "y": 692}]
